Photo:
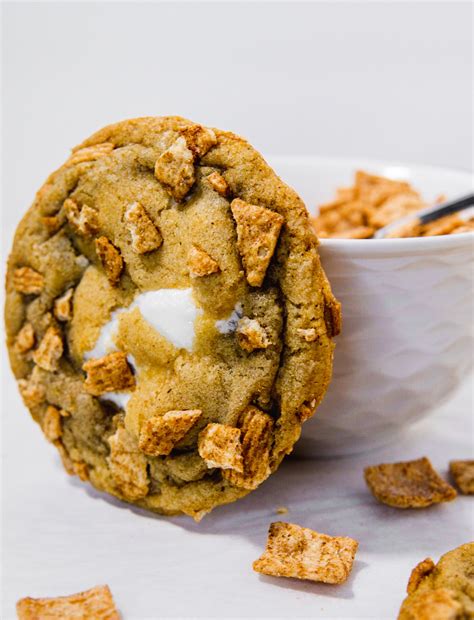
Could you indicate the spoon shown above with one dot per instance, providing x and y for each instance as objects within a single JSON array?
[{"x": 431, "y": 214}]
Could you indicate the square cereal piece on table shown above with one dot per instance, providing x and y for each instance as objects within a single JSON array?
[
  {"x": 295, "y": 551},
  {"x": 462, "y": 472},
  {"x": 94, "y": 604},
  {"x": 408, "y": 484}
]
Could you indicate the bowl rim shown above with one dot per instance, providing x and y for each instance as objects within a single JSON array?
[{"x": 362, "y": 247}]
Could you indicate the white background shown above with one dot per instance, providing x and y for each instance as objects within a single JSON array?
[{"x": 388, "y": 80}]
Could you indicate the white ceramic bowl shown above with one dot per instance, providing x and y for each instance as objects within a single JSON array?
[{"x": 407, "y": 304}]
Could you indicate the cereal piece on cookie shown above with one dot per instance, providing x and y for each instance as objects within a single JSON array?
[
  {"x": 218, "y": 184},
  {"x": 332, "y": 316},
  {"x": 110, "y": 373},
  {"x": 81, "y": 470},
  {"x": 63, "y": 306},
  {"x": 409, "y": 484},
  {"x": 83, "y": 219},
  {"x": 175, "y": 169},
  {"x": 462, "y": 473},
  {"x": 251, "y": 335},
  {"x": 256, "y": 437},
  {"x": 110, "y": 258},
  {"x": 159, "y": 434},
  {"x": 294, "y": 551},
  {"x": 50, "y": 350},
  {"x": 258, "y": 229},
  {"x": 90, "y": 153},
  {"x": 128, "y": 465},
  {"x": 219, "y": 445},
  {"x": 52, "y": 424},
  {"x": 32, "y": 390},
  {"x": 145, "y": 235},
  {"x": 420, "y": 571},
  {"x": 53, "y": 222},
  {"x": 307, "y": 410},
  {"x": 199, "y": 139},
  {"x": 200, "y": 263},
  {"x": 443, "y": 591},
  {"x": 28, "y": 281},
  {"x": 171, "y": 308},
  {"x": 94, "y": 604},
  {"x": 25, "y": 339}
]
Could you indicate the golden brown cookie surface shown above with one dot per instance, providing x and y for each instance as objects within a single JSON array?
[
  {"x": 444, "y": 591},
  {"x": 165, "y": 206}
]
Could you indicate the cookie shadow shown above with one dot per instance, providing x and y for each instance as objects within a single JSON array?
[{"x": 327, "y": 496}]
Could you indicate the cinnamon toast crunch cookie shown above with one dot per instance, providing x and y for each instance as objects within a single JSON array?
[{"x": 160, "y": 291}]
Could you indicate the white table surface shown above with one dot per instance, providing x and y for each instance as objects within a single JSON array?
[{"x": 60, "y": 536}]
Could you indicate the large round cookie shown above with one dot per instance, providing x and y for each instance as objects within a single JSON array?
[{"x": 168, "y": 319}]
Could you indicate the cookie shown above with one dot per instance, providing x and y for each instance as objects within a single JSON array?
[
  {"x": 444, "y": 591},
  {"x": 168, "y": 319},
  {"x": 408, "y": 484}
]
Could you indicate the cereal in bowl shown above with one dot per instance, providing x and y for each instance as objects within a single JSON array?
[{"x": 373, "y": 202}]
